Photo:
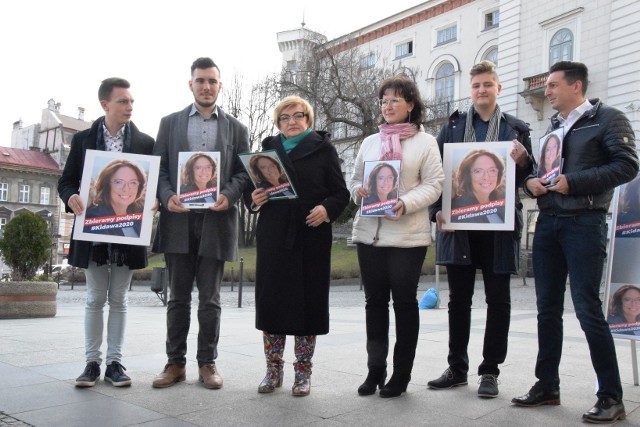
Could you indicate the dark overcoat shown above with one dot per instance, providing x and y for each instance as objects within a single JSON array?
[
  {"x": 69, "y": 184},
  {"x": 294, "y": 260}
]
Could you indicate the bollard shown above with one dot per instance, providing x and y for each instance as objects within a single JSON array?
[
  {"x": 231, "y": 279},
  {"x": 240, "y": 283}
]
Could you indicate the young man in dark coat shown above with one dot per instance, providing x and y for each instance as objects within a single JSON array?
[
  {"x": 108, "y": 267},
  {"x": 496, "y": 253},
  {"x": 196, "y": 243}
]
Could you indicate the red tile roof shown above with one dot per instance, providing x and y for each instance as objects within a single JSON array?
[{"x": 29, "y": 159}]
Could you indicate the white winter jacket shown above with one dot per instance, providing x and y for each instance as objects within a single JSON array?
[{"x": 421, "y": 180}]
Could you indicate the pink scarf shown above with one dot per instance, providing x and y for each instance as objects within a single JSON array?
[{"x": 391, "y": 135}]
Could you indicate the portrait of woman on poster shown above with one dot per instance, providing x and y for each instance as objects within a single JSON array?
[
  {"x": 199, "y": 173},
  {"x": 268, "y": 173},
  {"x": 119, "y": 190},
  {"x": 630, "y": 203},
  {"x": 479, "y": 180},
  {"x": 624, "y": 308},
  {"x": 549, "y": 166},
  {"x": 382, "y": 184}
]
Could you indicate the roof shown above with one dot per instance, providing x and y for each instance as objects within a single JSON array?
[{"x": 30, "y": 159}]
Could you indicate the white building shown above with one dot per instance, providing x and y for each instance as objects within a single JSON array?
[{"x": 443, "y": 39}]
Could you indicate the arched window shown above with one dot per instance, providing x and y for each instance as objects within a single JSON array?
[
  {"x": 445, "y": 82},
  {"x": 491, "y": 55},
  {"x": 561, "y": 46}
]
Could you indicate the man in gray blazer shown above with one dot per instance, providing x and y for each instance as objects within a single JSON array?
[{"x": 197, "y": 242}]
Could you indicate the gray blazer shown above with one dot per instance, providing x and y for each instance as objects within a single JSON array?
[{"x": 220, "y": 229}]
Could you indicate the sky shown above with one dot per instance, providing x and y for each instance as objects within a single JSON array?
[{"x": 63, "y": 49}]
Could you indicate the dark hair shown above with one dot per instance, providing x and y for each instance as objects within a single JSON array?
[
  {"x": 615, "y": 303},
  {"x": 542, "y": 164},
  {"x": 463, "y": 177},
  {"x": 187, "y": 170},
  {"x": 631, "y": 196},
  {"x": 255, "y": 170},
  {"x": 107, "y": 86},
  {"x": 202, "y": 64},
  {"x": 407, "y": 89},
  {"x": 103, "y": 184},
  {"x": 372, "y": 186},
  {"x": 573, "y": 71}
]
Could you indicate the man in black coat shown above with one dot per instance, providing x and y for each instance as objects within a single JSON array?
[
  {"x": 108, "y": 267},
  {"x": 598, "y": 153},
  {"x": 496, "y": 253}
]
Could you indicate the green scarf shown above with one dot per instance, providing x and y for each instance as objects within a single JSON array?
[{"x": 291, "y": 143}]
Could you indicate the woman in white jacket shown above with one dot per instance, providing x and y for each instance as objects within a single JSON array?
[{"x": 391, "y": 249}]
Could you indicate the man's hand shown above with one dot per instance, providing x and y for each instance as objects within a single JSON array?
[
  {"x": 519, "y": 154},
  {"x": 560, "y": 185},
  {"x": 440, "y": 223},
  {"x": 174, "y": 205},
  {"x": 222, "y": 204},
  {"x": 75, "y": 204}
]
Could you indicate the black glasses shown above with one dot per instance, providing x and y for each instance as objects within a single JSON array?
[{"x": 296, "y": 117}]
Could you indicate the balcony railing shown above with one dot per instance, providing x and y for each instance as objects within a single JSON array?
[{"x": 533, "y": 92}]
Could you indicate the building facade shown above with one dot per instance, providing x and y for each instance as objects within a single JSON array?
[{"x": 29, "y": 182}]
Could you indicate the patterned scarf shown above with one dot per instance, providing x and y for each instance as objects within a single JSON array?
[
  {"x": 492, "y": 132},
  {"x": 391, "y": 135}
]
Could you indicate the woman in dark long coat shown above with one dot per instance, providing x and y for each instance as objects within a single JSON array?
[{"x": 294, "y": 244}]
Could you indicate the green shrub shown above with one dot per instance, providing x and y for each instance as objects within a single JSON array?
[{"x": 25, "y": 246}]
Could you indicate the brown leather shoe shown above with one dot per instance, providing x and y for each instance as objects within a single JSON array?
[
  {"x": 171, "y": 374},
  {"x": 209, "y": 376}
]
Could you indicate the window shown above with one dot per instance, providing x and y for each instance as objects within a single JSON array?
[
  {"x": 44, "y": 195},
  {"x": 491, "y": 19},
  {"x": 448, "y": 35},
  {"x": 445, "y": 82},
  {"x": 491, "y": 55},
  {"x": 4, "y": 191},
  {"x": 290, "y": 74},
  {"x": 368, "y": 61},
  {"x": 3, "y": 222},
  {"x": 404, "y": 49},
  {"x": 24, "y": 194},
  {"x": 561, "y": 46}
]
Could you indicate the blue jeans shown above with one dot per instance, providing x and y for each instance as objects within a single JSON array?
[
  {"x": 573, "y": 245},
  {"x": 112, "y": 282}
]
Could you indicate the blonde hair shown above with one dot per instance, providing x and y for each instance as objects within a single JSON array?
[{"x": 290, "y": 101}]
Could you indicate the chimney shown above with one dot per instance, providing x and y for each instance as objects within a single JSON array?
[
  {"x": 17, "y": 125},
  {"x": 81, "y": 113},
  {"x": 58, "y": 105}
]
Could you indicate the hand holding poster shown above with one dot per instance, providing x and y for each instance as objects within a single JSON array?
[
  {"x": 198, "y": 178},
  {"x": 266, "y": 171},
  {"x": 550, "y": 163},
  {"x": 114, "y": 189},
  {"x": 479, "y": 190},
  {"x": 381, "y": 180}
]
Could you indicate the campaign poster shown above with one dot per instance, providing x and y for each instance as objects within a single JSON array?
[
  {"x": 479, "y": 190},
  {"x": 550, "y": 156},
  {"x": 198, "y": 178},
  {"x": 267, "y": 171},
  {"x": 381, "y": 179},
  {"x": 118, "y": 190},
  {"x": 623, "y": 269}
]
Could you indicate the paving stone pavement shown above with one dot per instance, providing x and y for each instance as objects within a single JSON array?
[{"x": 40, "y": 359}]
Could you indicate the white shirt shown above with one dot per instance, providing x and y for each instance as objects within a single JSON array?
[{"x": 574, "y": 115}]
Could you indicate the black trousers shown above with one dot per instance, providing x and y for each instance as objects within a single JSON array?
[
  {"x": 207, "y": 273},
  {"x": 498, "y": 298},
  {"x": 385, "y": 272}
]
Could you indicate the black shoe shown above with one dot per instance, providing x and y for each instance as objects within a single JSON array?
[
  {"x": 375, "y": 379},
  {"x": 116, "y": 376},
  {"x": 89, "y": 376},
  {"x": 448, "y": 379},
  {"x": 488, "y": 386},
  {"x": 606, "y": 410},
  {"x": 396, "y": 385},
  {"x": 538, "y": 396}
]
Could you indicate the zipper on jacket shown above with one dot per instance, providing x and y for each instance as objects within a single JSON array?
[
  {"x": 375, "y": 236},
  {"x": 590, "y": 198}
]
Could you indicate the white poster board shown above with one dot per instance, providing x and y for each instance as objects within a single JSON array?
[
  {"x": 198, "y": 178},
  {"x": 118, "y": 190},
  {"x": 479, "y": 189}
]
